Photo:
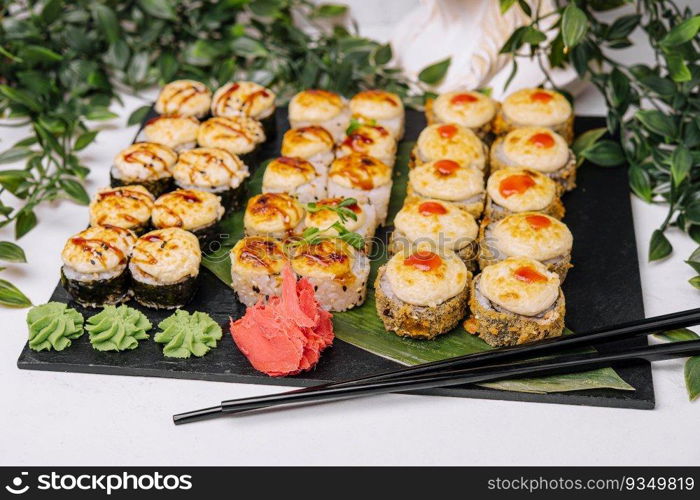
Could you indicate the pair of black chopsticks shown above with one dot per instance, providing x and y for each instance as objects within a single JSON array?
[{"x": 504, "y": 363}]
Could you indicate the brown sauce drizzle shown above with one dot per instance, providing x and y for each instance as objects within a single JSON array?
[
  {"x": 152, "y": 158},
  {"x": 272, "y": 204},
  {"x": 260, "y": 252},
  {"x": 96, "y": 247},
  {"x": 223, "y": 99}
]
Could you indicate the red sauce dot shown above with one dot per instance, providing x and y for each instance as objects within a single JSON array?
[
  {"x": 542, "y": 140},
  {"x": 515, "y": 184},
  {"x": 423, "y": 261},
  {"x": 432, "y": 208},
  {"x": 538, "y": 221},
  {"x": 541, "y": 96},
  {"x": 463, "y": 98},
  {"x": 447, "y": 131},
  {"x": 528, "y": 275},
  {"x": 446, "y": 167}
]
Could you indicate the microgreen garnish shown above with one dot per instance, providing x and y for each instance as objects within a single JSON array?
[
  {"x": 342, "y": 209},
  {"x": 355, "y": 124}
]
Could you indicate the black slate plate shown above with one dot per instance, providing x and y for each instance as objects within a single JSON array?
[{"x": 602, "y": 289}]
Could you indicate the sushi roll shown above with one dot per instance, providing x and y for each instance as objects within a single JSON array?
[
  {"x": 128, "y": 207},
  {"x": 324, "y": 214},
  {"x": 256, "y": 267},
  {"x": 469, "y": 109},
  {"x": 164, "y": 268},
  {"x": 94, "y": 270},
  {"x": 372, "y": 140},
  {"x": 536, "y": 107},
  {"x": 515, "y": 190},
  {"x": 337, "y": 271},
  {"x": 294, "y": 176},
  {"x": 313, "y": 144},
  {"x": 184, "y": 98},
  {"x": 434, "y": 225},
  {"x": 422, "y": 295},
  {"x": 530, "y": 234},
  {"x": 248, "y": 99},
  {"x": 538, "y": 149},
  {"x": 146, "y": 164},
  {"x": 192, "y": 210},
  {"x": 449, "y": 142},
  {"x": 277, "y": 215},
  {"x": 239, "y": 135},
  {"x": 176, "y": 132},
  {"x": 364, "y": 178},
  {"x": 379, "y": 107},
  {"x": 320, "y": 107},
  {"x": 214, "y": 170},
  {"x": 446, "y": 180},
  {"x": 516, "y": 301}
]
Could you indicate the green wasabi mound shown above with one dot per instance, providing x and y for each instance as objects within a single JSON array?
[
  {"x": 186, "y": 334},
  {"x": 117, "y": 328},
  {"x": 53, "y": 326}
]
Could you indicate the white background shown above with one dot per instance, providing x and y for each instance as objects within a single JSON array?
[{"x": 55, "y": 418}]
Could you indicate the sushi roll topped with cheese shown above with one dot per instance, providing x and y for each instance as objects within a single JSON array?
[
  {"x": 193, "y": 210},
  {"x": 256, "y": 268},
  {"x": 536, "y": 107},
  {"x": 243, "y": 98},
  {"x": 184, "y": 98},
  {"x": 324, "y": 214},
  {"x": 472, "y": 110},
  {"x": 294, "y": 176},
  {"x": 273, "y": 214},
  {"x": 322, "y": 108},
  {"x": 379, "y": 107},
  {"x": 372, "y": 140},
  {"x": 239, "y": 135},
  {"x": 128, "y": 207},
  {"x": 449, "y": 141},
  {"x": 174, "y": 131},
  {"x": 514, "y": 190},
  {"x": 314, "y": 144},
  {"x": 145, "y": 163}
]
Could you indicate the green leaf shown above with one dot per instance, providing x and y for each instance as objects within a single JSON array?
[
  {"x": 506, "y": 5},
  {"x": 118, "y": 54},
  {"x": 168, "y": 66},
  {"x": 10, "y": 252},
  {"x": 694, "y": 260},
  {"x": 692, "y": 377},
  {"x": 640, "y": 183},
  {"x": 574, "y": 25},
  {"x": 434, "y": 73},
  {"x": 677, "y": 67},
  {"x": 682, "y": 33},
  {"x": 51, "y": 11},
  {"x": 659, "y": 246},
  {"x": 678, "y": 335},
  {"x": 605, "y": 153},
  {"x": 84, "y": 140},
  {"x": 329, "y": 10},
  {"x": 587, "y": 140},
  {"x": 695, "y": 281},
  {"x": 75, "y": 191},
  {"x": 383, "y": 54},
  {"x": 657, "y": 122},
  {"x": 138, "y": 68},
  {"x": 106, "y": 20},
  {"x": 623, "y": 26},
  {"x": 20, "y": 97},
  {"x": 11, "y": 296},
  {"x": 13, "y": 179},
  {"x": 100, "y": 113},
  {"x": 39, "y": 54},
  {"x": 162, "y": 9},
  {"x": 533, "y": 36},
  {"x": 138, "y": 115},
  {"x": 26, "y": 220},
  {"x": 681, "y": 163},
  {"x": 619, "y": 88},
  {"x": 14, "y": 154},
  {"x": 248, "y": 47}
]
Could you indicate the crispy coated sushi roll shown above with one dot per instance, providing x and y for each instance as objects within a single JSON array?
[
  {"x": 324, "y": 214},
  {"x": 337, "y": 271},
  {"x": 313, "y": 144},
  {"x": 372, "y": 140},
  {"x": 364, "y": 178},
  {"x": 164, "y": 268},
  {"x": 537, "y": 149},
  {"x": 536, "y": 107},
  {"x": 469, "y": 109},
  {"x": 294, "y": 176},
  {"x": 214, "y": 170},
  {"x": 94, "y": 265},
  {"x": 515, "y": 190},
  {"x": 433, "y": 225},
  {"x": 256, "y": 267},
  {"x": 277, "y": 215},
  {"x": 449, "y": 142},
  {"x": 176, "y": 132},
  {"x": 239, "y": 135},
  {"x": 128, "y": 207},
  {"x": 198, "y": 212},
  {"x": 184, "y": 98},
  {"x": 248, "y": 99},
  {"x": 422, "y": 295},
  {"x": 320, "y": 107},
  {"x": 147, "y": 164},
  {"x": 380, "y": 107},
  {"x": 516, "y": 301},
  {"x": 446, "y": 180},
  {"x": 530, "y": 234}
]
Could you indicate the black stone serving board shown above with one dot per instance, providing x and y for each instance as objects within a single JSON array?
[{"x": 602, "y": 289}]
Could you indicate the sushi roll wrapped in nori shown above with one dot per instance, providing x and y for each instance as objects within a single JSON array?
[
  {"x": 294, "y": 176},
  {"x": 198, "y": 212},
  {"x": 515, "y": 190},
  {"x": 256, "y": 267},
  {"x": 164, "y": 268},
  {"x": 176, "y": 132},
  {"x": 128, "y": 207},
  {"x": 147, "y": 164},
  {"x": 469, "y": 109},
  {"x": 184, "y": 98},
  {"x": 324, "y": 214},
  {"x": 449, "y": 141},
  {"x": 95, "y": 262},
  {"x": 278, "y": 215},
  {"x": 381, "y": 108},
  {"x": 372, "y": 140},
  {"x": 248, "y": 99},
  {"x": 320, "y": 107},
  {"x": 313, "y": 144},
  {"x": 239, "y": 135}
]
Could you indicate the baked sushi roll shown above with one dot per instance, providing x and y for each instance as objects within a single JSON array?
[
  {"x": 128, "y": 207},
  {"x": 530, "y": 234},
  {"x": 446, "y": 180},
  {"x": 516, "y": 190},
  {"x": 536, "y": 107},
  {"x": 164, "y": 268},
  {"x": 337, "y": 271},
  {"x": 198, "y": 212},
  {"x": 184, "y": 98},
  {"x": 256, "y": 267},
  {"x": 433, "y": 225},
  {"x": 538, "y": 149},
  {"x": 449, "y": 142},
  {"x": 364, "y": 178},
  {"x": 248, "y": 99},
  {"x": 95, "y": 260},
  {"x": 278, "y": 215},
  {"x": 294, "y": 176},
  {"x": 422, "y": 295},
  {"x": 239, "y": 135},
  {"x": 214, "y": 170},
  {"x": 372, "y": 140},
  {"x": 320, "y": 107},
  {"x": 313, "y": 144},
  {"x": 176, "y": 132},
  {"x": 470, "y": 109},
  {"x": 146, "y": 164},
  {"x": 516, "y": 301},
  {"x": 379, "y": 107},
  {"x": 328, "y": 212}
]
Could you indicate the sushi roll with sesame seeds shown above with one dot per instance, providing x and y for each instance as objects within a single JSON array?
[
  {"x": 515, "y": 190},
  {"x": 147, "y": 164},
  {"x": 313, "y": 144},
  {"x": 469, "y": 109},
  {"x": 381, "y": 108},
  {"x": 294, "y": 176},
  {"x": 328, "y": 212},
  {"x": 248, "y": 99},
  {"x": 320, "y": 107},
  {"x": 372, "y": 140},
  {"x": 449, "y": 141},
  {"x": 176, "y": 132},
  {"x": 256, "y": 267},
  {"x": 198, "y": 212},
  {"x": 239, "y": 135},
  {"x": 184, "y": 98},
  {"x": 128, "y": 207},
  {"x": 278, "y": 215}
]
